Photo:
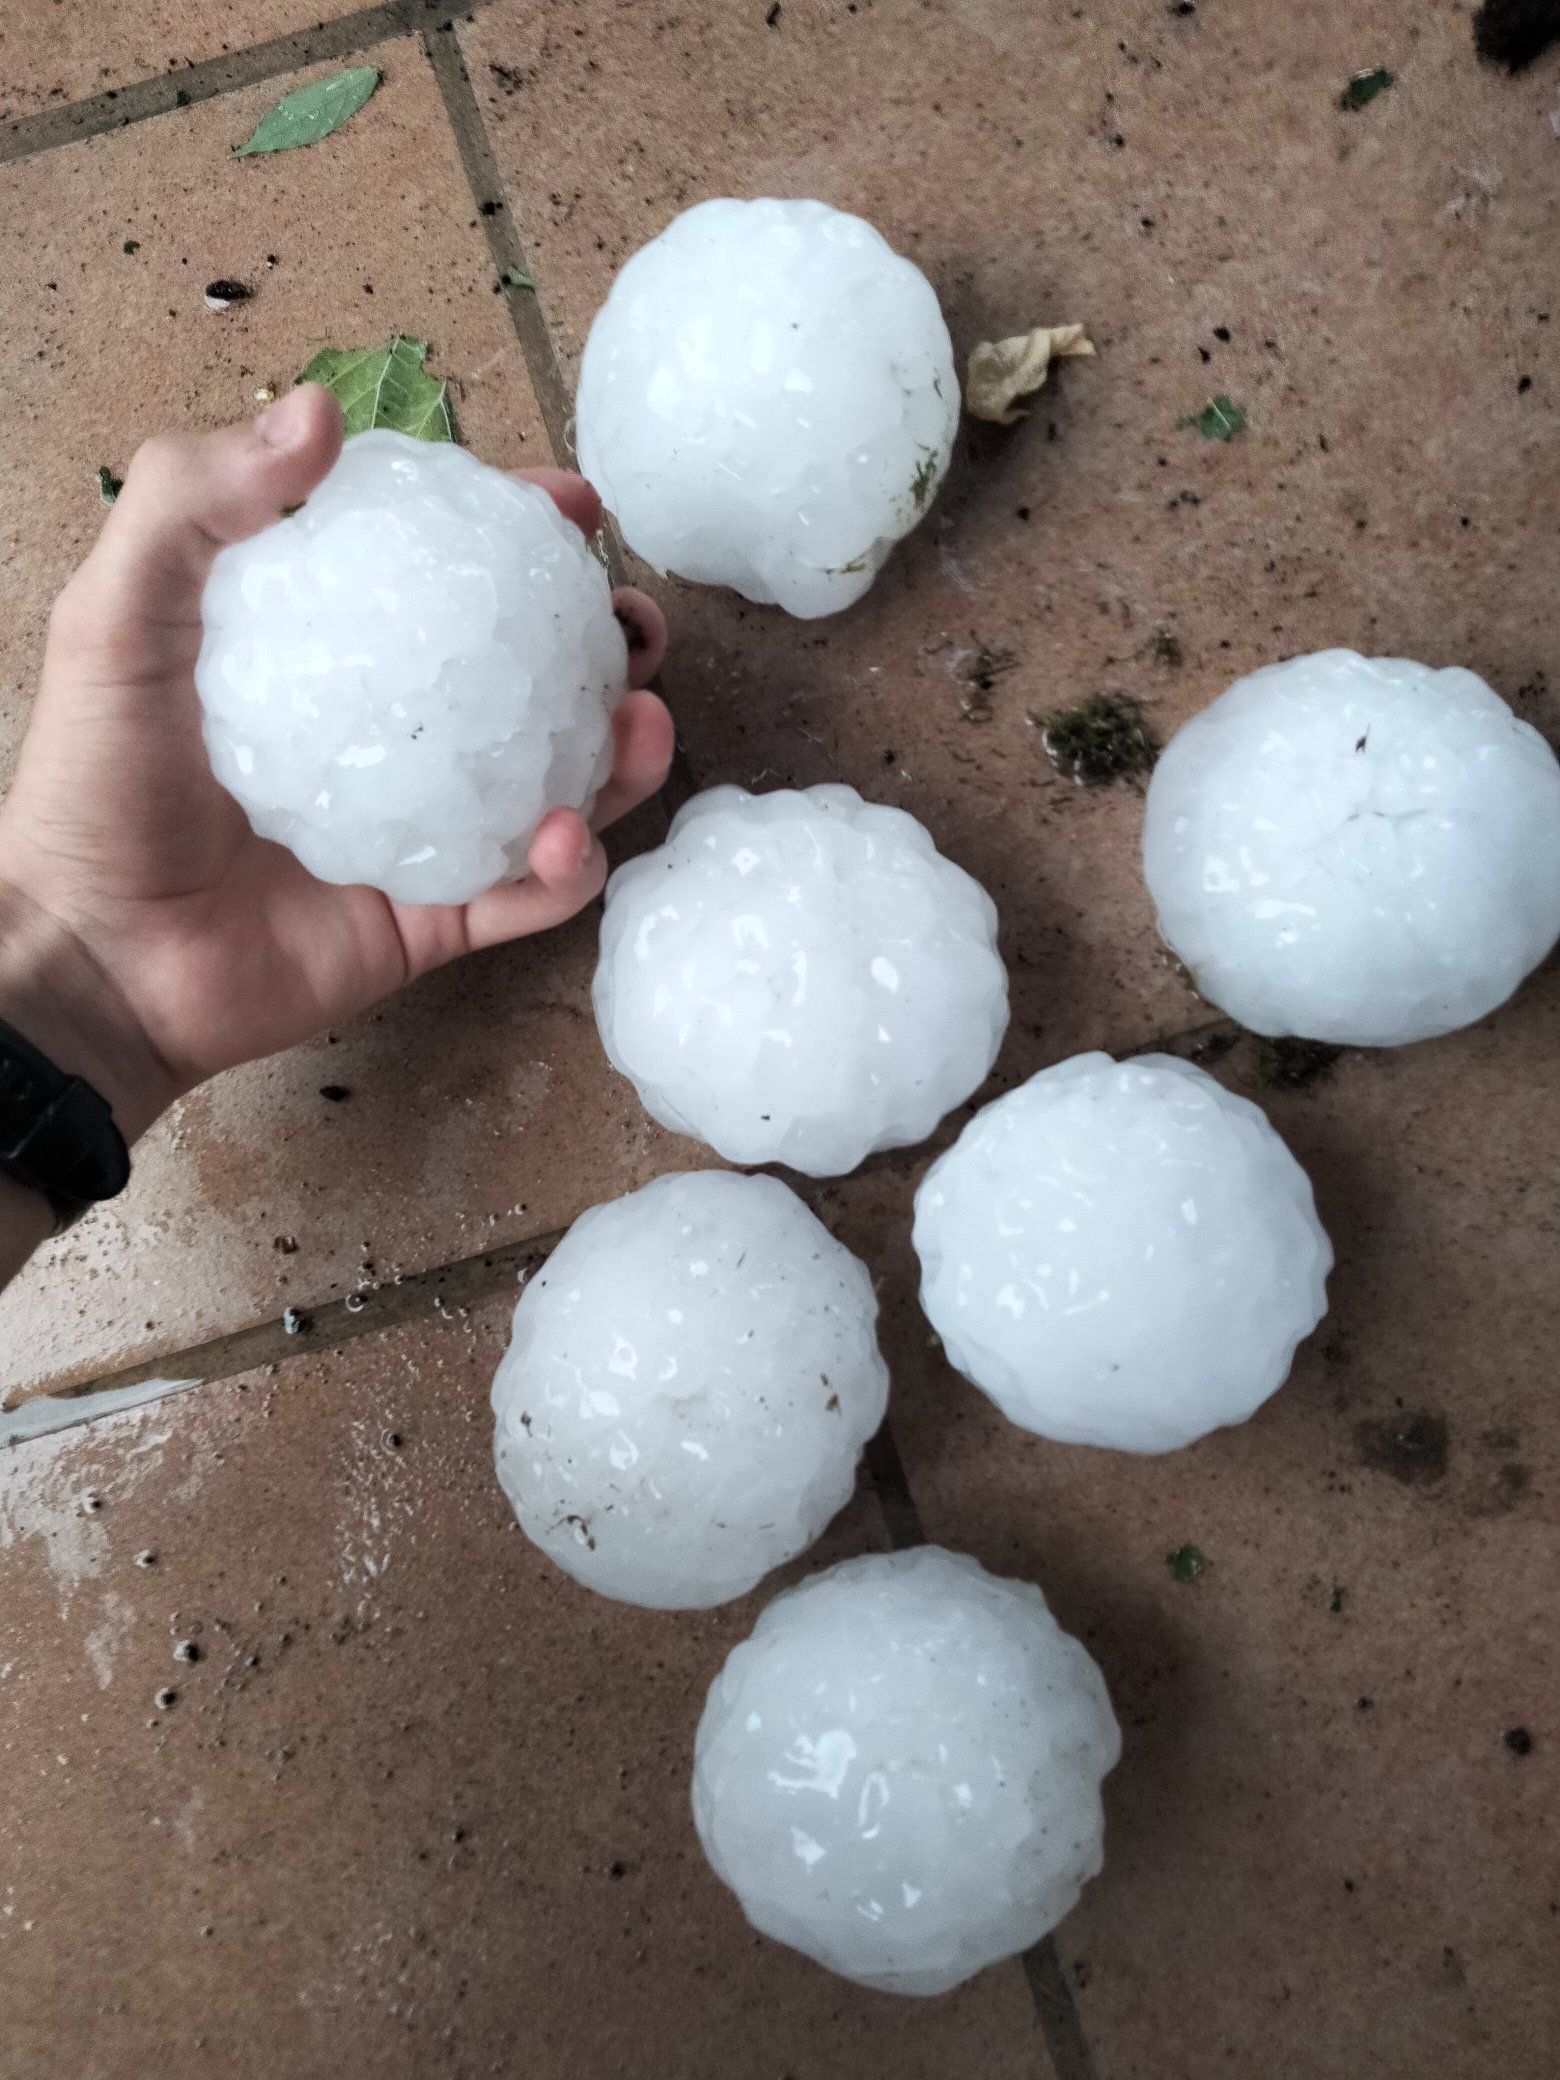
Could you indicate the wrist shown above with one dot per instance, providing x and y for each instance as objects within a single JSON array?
[{"x": 59, "y": 997}]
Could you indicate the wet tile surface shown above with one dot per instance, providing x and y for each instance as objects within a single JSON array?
[
  {"x": 1168, "y": 178},
  {"x": 443, "y": 1808},
  {"x": 53, "y": 51},
  {"x": 479, "y": 1106},
  {"x": 419, "y": 1794},
  {"x": 1330, "y": 1844}
]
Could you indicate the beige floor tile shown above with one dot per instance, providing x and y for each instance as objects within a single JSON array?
[
  {"x": 421, "y": 1803},
  {"x": 1167, "y": 179},
  {"x": 1330, "y": 1848},
  {"x": 57, "y": 51},
  {"x": 480, "y": 1107}
]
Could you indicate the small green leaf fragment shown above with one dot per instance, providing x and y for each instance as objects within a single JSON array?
[
  {"x": 1365, "y": 86},
  {"x": 1186, "y": 1563},
  {"x": 312, "y": 112},
  {"x": 385, "y": 386},
  {"x": 518, "y": 279},
  {"x": 925, "y": 477},
  {"x": 109, "y": 486},
  {"x": 1219, "y": 420},
  {"x": 132, "y": 245}
]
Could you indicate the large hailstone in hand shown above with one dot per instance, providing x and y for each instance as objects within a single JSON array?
[
  {"x": 768, "y": 401},
  {"x": 799, "y": 977},
  {"x": 899, "y": 1772},
  {"x": 1360, "y": 850},
  {"x": 405, "y": 675},
  {"x": 691, "y": 1380},
  {"x": 1121, "y": 1253}
]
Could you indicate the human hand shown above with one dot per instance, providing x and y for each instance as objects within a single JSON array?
[{"x": 148, "y": 938}]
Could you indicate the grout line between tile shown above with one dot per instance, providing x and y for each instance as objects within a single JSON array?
[
  {"x": 1055, "y": 2011},
  {"x": 334, "y": 1323},
  {"x": 117, "y": 107},
  {"x": 506, "y": 248},
  {"x": 898, "y": 1504},
  {"x": 443, "y": 1288},
  {"x": 1060, "y": 2023}
]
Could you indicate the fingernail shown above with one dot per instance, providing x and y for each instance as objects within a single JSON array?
[{"x": 283, "y": 424}]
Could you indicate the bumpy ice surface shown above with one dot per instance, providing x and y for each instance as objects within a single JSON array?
[
  {"x": 899, "y": 1772},
  {"x": 768, "y": 401},
  {"x": 1360, "y": 850},
  {"x": 799, "y": 977},
  {"x": 402, "y": 678},
  {"x": 1121, "y": 1253},
  {"x": 691, "y": 1380}
]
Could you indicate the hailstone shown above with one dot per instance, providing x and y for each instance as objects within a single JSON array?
[
  {"x": 799, "y": 977},
  {"x": 1121, "y": 1253},
  {"x": 768, "y": 401},
  {"x": 899, "y": 1772},
  {"x": 1360, "y": 850},
  {"x": 405, "y": 675},
  {"x": 690, "y": 1383}
]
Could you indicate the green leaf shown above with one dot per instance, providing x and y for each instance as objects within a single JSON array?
[
  {"x": 517, "y": 280},
  {"x": 385, "y": 386},
  {"x": 1365, "y": 86},
  {"x": 109, "y": 486},
  {"x": 1185, "y": 1563},
  {"x": 1219, "y": 420},
  {"x": 312, "y": 112}
]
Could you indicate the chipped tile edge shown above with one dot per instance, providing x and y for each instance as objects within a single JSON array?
[{"x": 45, "y": 1414}]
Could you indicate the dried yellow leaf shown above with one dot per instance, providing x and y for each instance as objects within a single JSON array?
[{"x": 1004, "y": 369}]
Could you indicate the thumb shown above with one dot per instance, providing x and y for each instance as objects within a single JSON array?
[{"x": 185, "y": 497}]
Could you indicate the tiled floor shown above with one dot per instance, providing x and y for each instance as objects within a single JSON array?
[
  {"x": 1319, "y": 1826},
  {"x": 438, "y": 1823},
  {"x": 418, "y": 1788}
]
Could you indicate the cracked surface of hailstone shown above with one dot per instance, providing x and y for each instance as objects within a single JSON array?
[
  {"x": 1121, "y": 1253},
  {"x": 1359, "y": 850},
  {"x": 899, "y": 1772},
  {"x": 768, "y": 401},
  {"x": 404, "y": 676},
  {"x": 691, "y": 1379},
  {"x": 799, "y": 977}
]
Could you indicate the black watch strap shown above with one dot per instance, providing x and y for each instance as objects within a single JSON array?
[{"x": 57, "y": 1136}]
